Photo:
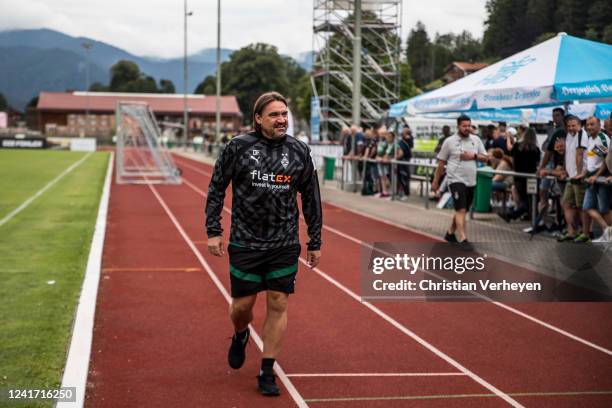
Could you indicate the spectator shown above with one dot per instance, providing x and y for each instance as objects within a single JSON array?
[
  {"x": 557, "y": 130},
  {"x": 404, "y": 154},
  {"x": 347, "y": 142},
  {"x": 597, "y": 197},
  {"x": 459, "y": 154},
  {"x": 371, "y": 172},
  {"x": 382, "y": 159},
  {"x": 573, "y": 196},
  {"x": 511, "y": 138},
  {"x": 489, "y": 134},
  {"x": 499, "y": 161},
  {"x": 445, "y": 135},
  {"x": 499, "y": 139},
  {"x": 608, "y": 127},
  {"x": 525, "y": 158}
]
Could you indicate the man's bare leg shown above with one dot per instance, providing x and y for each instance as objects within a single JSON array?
[
  {"x": 459, "y": 221},
  {"x": 241, "y": 311},
  {"x": 275, "y": 323}
]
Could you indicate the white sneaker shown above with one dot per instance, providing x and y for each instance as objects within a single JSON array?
[{"x": 606, "y": 236}]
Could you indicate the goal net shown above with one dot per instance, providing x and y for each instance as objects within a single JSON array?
[{"x": 140, "y": 157}]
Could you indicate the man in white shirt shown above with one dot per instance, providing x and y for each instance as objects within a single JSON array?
[
  {"x": 459, "y": 153},
  {"x": 597, "y": 197},
  {"x": 576, "y": 142}
]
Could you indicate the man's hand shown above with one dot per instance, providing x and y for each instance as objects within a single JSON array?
[
  {"x": 435, "y": 186},
  {"x": 313, "y": 257},
  {"x": 543, "y": 172},
  {"x": 215, "y": 246},
  {"x": 591, "y": 180},
  {"x": 467, "y": 156}
]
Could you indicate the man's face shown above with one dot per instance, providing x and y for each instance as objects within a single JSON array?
[
  {"x": 560, "y": 146},
  {"x": 464, "y": 128},
  {"x": 593, "y": 127},
  {"x": 573, "y": 126},
  {"x": 406, "y": 133},
  {"x": 558, "y": 118},
  {"x": 273, "y": 119},
  {"x": 608, "y": 126}
]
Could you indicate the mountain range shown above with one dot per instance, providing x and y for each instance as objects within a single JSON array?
[{"x": 38, "y": 60}]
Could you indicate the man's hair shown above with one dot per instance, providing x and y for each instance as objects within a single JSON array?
[
  {"x": 463, "y": 118},
  {"x": 572, "y": 117},
  {"x": 559, "y": 110},
  {"x": 262, "y": 102}
]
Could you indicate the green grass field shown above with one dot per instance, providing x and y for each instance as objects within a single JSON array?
[{"x": 47, "y": 241}]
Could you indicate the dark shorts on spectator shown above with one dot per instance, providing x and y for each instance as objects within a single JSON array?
[{"x": 462, "y": 195}]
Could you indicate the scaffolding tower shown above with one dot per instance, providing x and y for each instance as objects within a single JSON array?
[{"x": 332, "y": 72}]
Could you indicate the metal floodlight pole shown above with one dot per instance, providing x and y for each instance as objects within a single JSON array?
[
  {"x": 218, "y": 86},
  {"x": 356, "y": 82},
  {"x": 185, "y": 71},
  {"x": 87, "y": 46}
]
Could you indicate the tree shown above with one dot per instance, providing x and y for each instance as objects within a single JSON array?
[
  {"x": 98, "y": 87},
  {"x": 407, "y": 86},
  {"x": 419, "y": 54},
  {"x": 3, "y": 103},
  {"x": 208, "y": 86},
  {"x": 33, "y": 102},
  {"x": 122, "y": 73},
  {"x": 166, "y": 86},
  {"x": 253, "y": 70}
]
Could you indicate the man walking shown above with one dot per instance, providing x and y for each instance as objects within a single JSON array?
[
  {"x": 459, "y": 154},
  {"x": 267, "y": 169}
]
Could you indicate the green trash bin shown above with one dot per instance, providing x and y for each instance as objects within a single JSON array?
[
  {"x": 484, "y": 187},
  {"x": 330, "y": 167}
]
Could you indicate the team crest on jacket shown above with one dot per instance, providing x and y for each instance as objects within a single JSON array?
[{"x": 285, "y": 160}]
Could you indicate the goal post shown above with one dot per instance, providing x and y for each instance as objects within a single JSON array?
[{"x": 140, "y": 158}]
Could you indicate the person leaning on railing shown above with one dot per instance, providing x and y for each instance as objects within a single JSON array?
[
  {"x": 525, "y": 158},
  {"x": 597, "y": 197}
]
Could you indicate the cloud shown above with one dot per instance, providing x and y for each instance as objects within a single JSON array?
[{"x": 155, "y": 27}]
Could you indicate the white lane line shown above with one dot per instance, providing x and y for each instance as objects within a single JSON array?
[
  {"x": 192, "y": 167},
  {"x": 395, "y": 324},
  {"x": 279, "y": 370},
  {"x": 486, "y": 298},
  {"x": 376, "y": 374},
  {"x": 77, "y": 362},
  {"x": 50, "y": 184},
  {"x": 418, "y": 339},
  {"x": 498, "y": 304}
]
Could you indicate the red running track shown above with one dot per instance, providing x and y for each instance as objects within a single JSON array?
[{"x": 161, "y": 332}]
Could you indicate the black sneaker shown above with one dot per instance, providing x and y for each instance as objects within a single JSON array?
[
  {"x": 266, "y": 383},
  {"x": 450, "y": 238},
  {"x": 236, "y": 354}
]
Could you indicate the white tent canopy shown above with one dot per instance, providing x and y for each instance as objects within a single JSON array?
[{"x": 560, "y": 70}]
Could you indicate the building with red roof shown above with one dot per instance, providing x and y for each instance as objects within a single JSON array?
[
  {"x": 93, "y": 113},
  {"x": 458, "y": 69}
]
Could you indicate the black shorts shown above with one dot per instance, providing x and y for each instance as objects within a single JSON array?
[
  {"x": 254, "y": 270},
  {"x": 462, "y": 195}
]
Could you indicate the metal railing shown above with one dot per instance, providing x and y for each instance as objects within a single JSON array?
[{"x": 533, "y": 185}]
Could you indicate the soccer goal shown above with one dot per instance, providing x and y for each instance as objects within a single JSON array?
[{"x": 140, "y": 158}]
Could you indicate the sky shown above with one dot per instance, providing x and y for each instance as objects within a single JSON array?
[{"x": 155, "y": 27}]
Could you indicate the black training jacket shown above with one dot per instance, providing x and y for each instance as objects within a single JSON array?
[{"x": 266, "y": 176}]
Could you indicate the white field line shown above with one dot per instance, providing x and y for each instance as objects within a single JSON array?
[
  {"x": 40, "y": 192},
  {"x": 77, "y": 362},
  {"x": 498, "y": 304},
  {"x": 397, "y": 325},
  {"x": 279, "y": 370},
  {"x": 375, "y": 375}
]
